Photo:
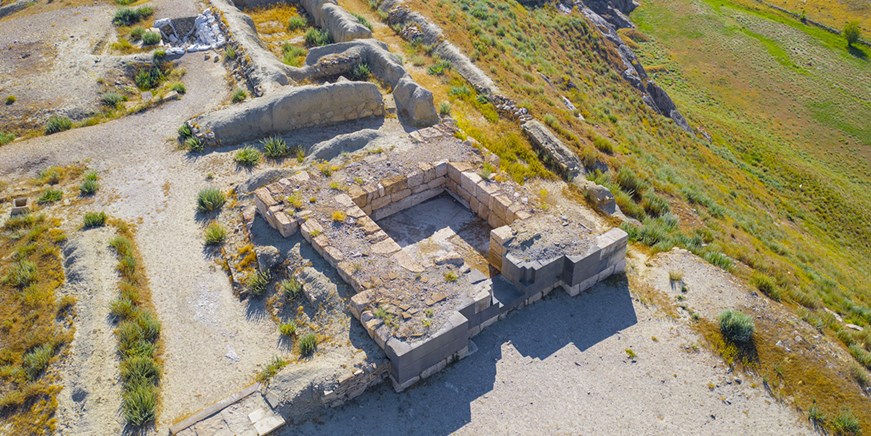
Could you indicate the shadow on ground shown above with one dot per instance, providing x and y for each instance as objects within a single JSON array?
[{"x": 442, "y": 403}]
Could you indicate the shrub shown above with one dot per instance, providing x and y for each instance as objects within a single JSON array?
[
  {"x": 288, "y": 328},
  {"x": 275, "y": 147},
  {"x": 463, "y": 91},
  {"x": 257, "y": 283},
  {"x": 439, "y": 68},
  {"x": 360, "y": 72},
  {"x": 10, "y": 99},
  {"x": 6, "y": 138},
  {"x": 139, "y": 370},
  {"x": 149, "y": 77},
  {"x": 628, "y": 181},
  {"x": 139, "y": 404},
  {"x": 362, "y": 20},
  {"x": 296, "y": 22},
  {"x": 184, "y": 131},
  {"x": 766, "y": 285},
  {"x": 247, "y": 157},
  {"x": 94, "y": 219},
  {"x": 675, "y": 276},
  {"x": 603, "y": 144},
  {"x": 50, "y": 196},
  {"x": 22, "y": 274},
  {"x": 293, "y": 55},
  {"x": 122, "y": 308},
  {"x": 736, "y": 326},
  {"x": 112, "y": 99},
  {"x": 654, "y": 204},
  {"x": 50, "y": 175},
  {"x": 860, "y": 376},
  {"x": 179, "y": 87},
  {"x": 444, "y": 108},
  {"x": 719, "y": 259},
  {"x": 451, "y": 276},
  {"x": 194, "y": 144},
  {"x": 338, "y": 216},
  {"x": 36, "y": 360},
  {"x": 57, "y": 123},
  {"x": 150, "y": 38},
  {"x": 159, "y": 54},
  {"x": 239, "y": 95},
  {"x": 271, "y": 369},
  {"x": 291, "y": 286},
  {"x": 89, "y": 187},
  {"x": 815, "y": 415},
  {"x": 846, "y": 424},
  {"x": 210, "y": 199},
  {"x": 128, "y": 16},
  {"x": 136, "y": 33},
  {"x": 851, "y": 33},
  {"x": 215, "y": 234},
  {"x": 316, "y": 37},
  {"x": 308, "y": 344}
]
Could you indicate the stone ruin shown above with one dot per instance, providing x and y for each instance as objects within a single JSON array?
[{"x": 423, "y": 309}]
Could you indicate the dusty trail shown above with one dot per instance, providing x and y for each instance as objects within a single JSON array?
[
  {"x": 90, "y": 401},
  {"x": 213, "y": 346}
]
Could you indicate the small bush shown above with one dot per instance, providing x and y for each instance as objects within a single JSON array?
[
  {"x": 295, "y": 200},
  {"x": 139, "y": 370},
  {"x": 291, "y": 287},
  {"x": 10, "y": 100},
  {"x": 149, "y": 77},
  {"x": 128, "y": 16},
  {"x": 22, "y": 274},
  {"x": 846, "y": 424},
  {"x": 360, "y": 72},
  {"x": 267, "y": 373},
  {"x": 112, "y": 99},
  {"x": 362, "y": 20},
  {"x": 89, "y": 187},
  {"x": 229, "y": 53},
  {"x": 139, "y": 404},
  {"x": 288, "y": 328},
  {"x": 150, "y": 38},
  {"x": 308, "y": 344},
  {"x": 603, "y": 144},
  {"x": 210, "y": 199},
  {"x": 275, "y": 147},
  {"x": 248, "y": 157},
  {"x": 630, "y": 182},
  {"x": 136, "y": 33},
  {"x": 296, "y": 22},
  {"x": 719, "y": 259},
  {"x": 851, "y": 33},
  {"x": 57, "y": 124},
  {"x": 50, "y": 175},
  {"x": 239, "y": 95},
  {"x": 439, "y": 68},
  {"x": 675, "y": 276},
  {"x": 860, "y": 376},
  {"x": 6, "y": 138},
  {"x": 316, "y": 37},
  {"x": 178, "y": 87},
  {"x": 654, "y": 204},
  {"x": 444, "y": 108},
  {"x": 122, "y": 308},
  {"x": 50, "y": 196},
  {"x": 451, "y": 276},
  {"x": 766, "y": 285},
  {"x": 184, "y": 132},
  {"x": 293, "y": 55},
  {"x": 194, "y": 144},
  {"x": 215, "y": 234},
  {"x": 36, "y": 361},
  {"x": 94, "y": 219},
  {"x": 736, "y": 326},
  {"x": 338, "y": 216},
  {"x": 257, "y": 283}
]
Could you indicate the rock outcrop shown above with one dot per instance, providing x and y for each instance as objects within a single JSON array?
[
  {"x": 339, "y": 23},
  {"x": 552, "y": 150}
]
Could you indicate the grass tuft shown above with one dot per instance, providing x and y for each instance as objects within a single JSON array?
[
  {"x": 248, "y": 156},
  {"x": 308, "y": 344},
  {"x": 736, "y": 326},
  {"x": 215, "y": 234},
  {"x": 94, "y": 219},
  {"x": 210, "y": 200}
]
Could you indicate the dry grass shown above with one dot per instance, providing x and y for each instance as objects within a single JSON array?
[
  {"x": 31, "y": 317},
  {"x": 271, "y": 23}
]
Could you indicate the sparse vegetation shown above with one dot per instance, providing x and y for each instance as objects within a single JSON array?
[
  {"x": 10, "y": 100},
  {"x": 360, "y": 72},
  {"x": 288, "y": 328},
  {"x": 451, "y": 276},
  {"x": 293, "y": 55},
  {"x": 210, "y": 200},
  {"x": 89, "y": 185},
  {"x": 275, "y": 147},
  {"x": 846, "y": 424},
  {"x": 57, "y": 123},
  {"x": 315, "y": 37},
  {"x": 239, "y": 95},
  {"x": 6, "y": 138},
  {"x": 50, "y": 196},
  {"x": 257, "y": 282},
  {"x": 296, "y": 23},
  {"x": 150, "y": 38},
  {"x": 338, "y": 216},
  {"x": 128, "y": 16},
  {"x": 274, "y": 366},
  {"x": 194, "y": 144},
  {"x": 363, "y": 20},
  {"x": 291, "y": 287}
]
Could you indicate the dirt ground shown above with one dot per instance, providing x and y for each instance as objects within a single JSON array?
[{"x": 560, "y": 366}]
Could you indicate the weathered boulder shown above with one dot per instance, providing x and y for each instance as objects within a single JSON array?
[
  {"x": 290, "y": 109},
  {"x": 600, "y": 196},
  {"x": 346, "y": 143},
  {"x": 615, "y": 11},
  {"x": 414, "y": 103},
  {"x": 666, "y": 106},
  {"x": 268, "y": 257},
  {"x": 341, "y": 25},
  {"x": 551, "y": 149}
]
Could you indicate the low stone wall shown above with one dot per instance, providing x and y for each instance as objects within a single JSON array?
[
  {"x": 291, "y": 109},
  {"x": 353, "y": 384}
]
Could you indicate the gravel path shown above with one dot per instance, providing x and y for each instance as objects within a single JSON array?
[
  {"x": 560, "y": 366},
  {"x": 213, "y": 343},
  {"x": 90, "y": 401}
]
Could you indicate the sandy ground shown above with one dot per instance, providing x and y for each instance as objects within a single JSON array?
[
  {"x": 91, "y": 398},
  {"x": 561, "y": 367}
]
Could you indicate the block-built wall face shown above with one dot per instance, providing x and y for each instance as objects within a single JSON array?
[{"x": 575, "y": 273}]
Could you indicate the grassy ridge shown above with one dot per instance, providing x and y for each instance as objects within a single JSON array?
[{"x": 32, "y": 333}]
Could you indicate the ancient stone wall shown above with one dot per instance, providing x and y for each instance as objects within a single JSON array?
[{"x": 290, "y": 109}]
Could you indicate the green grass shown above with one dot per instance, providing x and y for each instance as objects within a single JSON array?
[
  {"x": 128, "y": 16},
  {"x": 296, "y": 23},
  {"x": 307, "y": 344},
  {"x": 257, "y": 282},
  {"x": 736, "y": 326},
  {"x": 56, "y": 124},
  {"x": 94, "y": 219},
  {"x": 288, "y": 328},
  {"x": 239, "y": 95},
  {"x": 215, "y": 234},
  {"x": 291, "y": 287},
  {"x": 274, "y": 366},
  {"x": 248, "y": 156},
  {"x": 50, "y": 196},
  {"x": 210, "y": 200},
  {"x": 37, "y": 360},
  {"x": 293, "y": 55},
  {"x": 6, "y": 138},
  {"x": 315, "y": 37},
  {"x": 275, "y": 147}
]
